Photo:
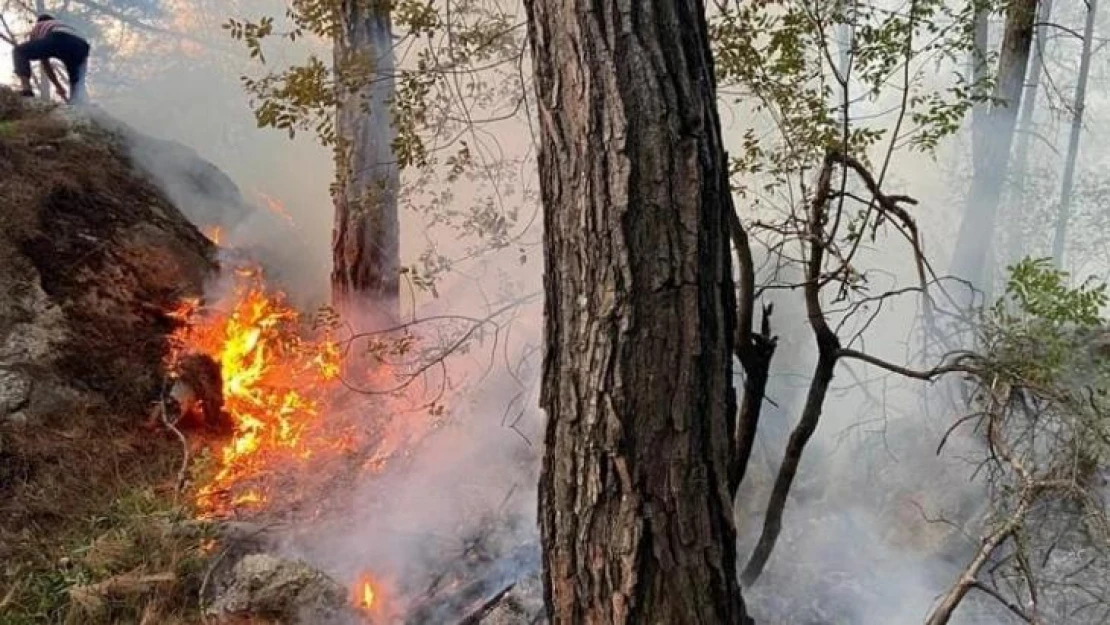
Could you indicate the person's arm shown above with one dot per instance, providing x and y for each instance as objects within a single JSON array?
[{"x": 48, "y": 69}]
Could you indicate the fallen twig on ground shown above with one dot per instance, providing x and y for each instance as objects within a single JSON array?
[
  {"x": 477, "y": 615},
  {"x": 183, "y": 472}
]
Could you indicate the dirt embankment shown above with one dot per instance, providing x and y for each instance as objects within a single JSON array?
[{"x": 92, "y": 257}]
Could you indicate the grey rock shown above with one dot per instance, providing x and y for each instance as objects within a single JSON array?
[
  {"x": 15, "y": 391},
  {"x": 286, "y": 591}
]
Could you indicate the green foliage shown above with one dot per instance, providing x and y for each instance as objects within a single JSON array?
[
  {"x": 1044, "y": 335},
  {"x": 299, "y": 98},
  {"x": 783, "y": 59},
  {"x": 1038, "y": 292}
]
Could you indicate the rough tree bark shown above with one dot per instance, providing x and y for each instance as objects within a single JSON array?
[
  {"x": 970, "y": 255},
  {"x": 635, "y": 509},
  {"x": 365, "y": 248}
]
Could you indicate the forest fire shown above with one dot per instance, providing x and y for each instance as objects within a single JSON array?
[
  {"x": 364, "y": 595},
  {"x": 274, "y": 380}
]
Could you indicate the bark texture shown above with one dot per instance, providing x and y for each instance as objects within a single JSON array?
[
  {"x": 365, "y": 246},
  {"x": 635, "y": 509},
  {"x": 980, "y": 217}
]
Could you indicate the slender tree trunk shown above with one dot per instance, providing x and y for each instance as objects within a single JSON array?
[
  {"x": 1019, "y": 201},
  {"x": 977, "y": 60},
  {"x": 1060, "y": 238},
  {"x": 635, "y": 510},
  {"x": 365, "y": 247},
  {"x": 978, "y": 70},
  {"x": 970, "y": 255}
]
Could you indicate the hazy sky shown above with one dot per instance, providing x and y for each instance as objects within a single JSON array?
[{"x": 6, "y": 51}]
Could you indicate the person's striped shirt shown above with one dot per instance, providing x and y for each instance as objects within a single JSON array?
[{"x": 47, "y": 27}]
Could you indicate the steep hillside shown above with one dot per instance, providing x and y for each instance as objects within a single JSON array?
[{"x": 92, "y": 257}]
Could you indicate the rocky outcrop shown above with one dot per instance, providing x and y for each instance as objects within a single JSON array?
[
  {"x": 288, "y": 592},
  {"x": 92, "y": 256}
]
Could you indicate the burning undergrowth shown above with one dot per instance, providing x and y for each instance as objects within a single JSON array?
[
  {"x": 346, "y": 438},
  {"x": 276, "y": 373}
]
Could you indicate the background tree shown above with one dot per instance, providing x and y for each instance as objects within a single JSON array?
[
  {"x": 381, "y": 118},
  {"x": 366, "y": 245},
  {"x": 970, "y": 256},
  {"x": 1060, "y": 234}
]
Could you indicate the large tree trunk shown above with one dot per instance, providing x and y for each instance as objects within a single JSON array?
[
  {"x": 365, "y": 248},
  {"x": 970, "y": 255},
  {"x": 635, "y": 511}
]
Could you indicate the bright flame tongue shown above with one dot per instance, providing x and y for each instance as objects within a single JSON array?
[
  {"x": 363, "y": 595},
  {"x": 273, "y": 383}
]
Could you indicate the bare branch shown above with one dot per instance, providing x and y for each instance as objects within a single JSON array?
[
  {"x": 828, "y": 347},
  {"x": 926, "y": 374}
]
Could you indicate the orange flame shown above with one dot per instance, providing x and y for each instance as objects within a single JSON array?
[
  {"x": 273, "y": 384},
  {"x": 367, "y": 595},
  {"x": 363, "y": 593},
  {"x": 275, "y": 206},
  {"x": 215, "y": 234}
]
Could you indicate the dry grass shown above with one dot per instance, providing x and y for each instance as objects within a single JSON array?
[{"x": 90, "y": 529}]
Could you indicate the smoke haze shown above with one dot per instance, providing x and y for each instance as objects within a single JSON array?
[{"x": 878, "y": 524}]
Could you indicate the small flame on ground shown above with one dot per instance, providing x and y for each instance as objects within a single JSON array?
[
  {"x": 215, "y": 234},
  {"x": 363, "y": 592},
  {"x": 248, "y": 498},
  {"x": 367, "y": 595}
]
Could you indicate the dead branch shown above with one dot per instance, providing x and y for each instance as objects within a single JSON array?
[
  {"x": 1032, "y": 485},
  {"x": 927, "y": 374},
  {"x": 828, "y": 347},
  {"x": 969, "y": 578},
  {"x": 441, "y": 356},
  {"x": 890, "y": 205},
  {"x": 755, "y": 357},
  {"x": 754, "y": 350},
  {"x": 182, "y": 472},
  {"x": 475, "y": 617},
  {"x": 92, "y": 595}
]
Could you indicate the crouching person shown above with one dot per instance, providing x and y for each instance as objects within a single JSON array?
[{"x": 52, "y": 39}]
